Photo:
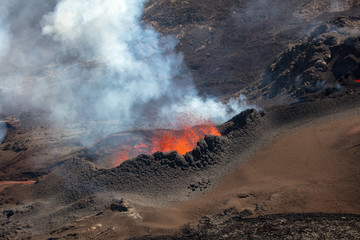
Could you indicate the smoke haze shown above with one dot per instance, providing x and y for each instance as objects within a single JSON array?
[{"x": 95, "y": 60}]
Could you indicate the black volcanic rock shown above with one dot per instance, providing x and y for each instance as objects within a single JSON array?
[
  {"x": 119, "y": 205},
  {"x": 231, "y": 224},
  {"x": 325, "y": 62},
  {"x": 239, "y": 121}
]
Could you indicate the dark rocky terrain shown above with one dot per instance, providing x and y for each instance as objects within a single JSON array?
[
  {"x": 228, "y": 44},
  {"x": 237, "y": 225},
  {"x": 323, "y": 63}
]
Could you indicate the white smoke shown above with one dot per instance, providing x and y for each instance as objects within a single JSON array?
[
  {"x": 130, "y": 66},
  {"x": 4, "y": 30},
  {"x": 95, "y": 60},
  {"x": 208, "y": 109}
]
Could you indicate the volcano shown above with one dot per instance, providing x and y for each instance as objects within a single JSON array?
[
  {"x": 182, "y": 141},
  {"x": 179, "y": 119}
]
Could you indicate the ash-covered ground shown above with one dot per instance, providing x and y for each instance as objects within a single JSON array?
[{"x": 307, "y": 95}]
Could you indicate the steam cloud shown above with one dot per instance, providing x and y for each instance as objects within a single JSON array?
[
  {"x": 4, "y": 29},
  {"x": 94, "y": 60}
]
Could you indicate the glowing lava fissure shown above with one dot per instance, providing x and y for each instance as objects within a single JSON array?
[
  {"x": 166, "y": 140},
  {"x": 183, "y": 140},
  {"x": 6, "y": 184}
]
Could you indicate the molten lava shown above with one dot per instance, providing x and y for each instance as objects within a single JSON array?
[
  {"x": 183, "y": 140},
  {"x": 170, "y": 139}
]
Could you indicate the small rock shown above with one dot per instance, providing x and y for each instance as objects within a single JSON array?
[
  {"x": 120, "y": 205},
  {"x": 242, "y": 195},
  {"x": 9, "y": 213}
]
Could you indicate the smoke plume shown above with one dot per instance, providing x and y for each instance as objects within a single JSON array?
[{"x": 94, "y": 60}]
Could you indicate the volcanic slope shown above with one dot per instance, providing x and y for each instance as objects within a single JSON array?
[
  {"x": 228, "y": 44},
  {"x": 324, "y": 63},
  {"x": 156, "y": 186},
  {"x": 32, "y": 145}
]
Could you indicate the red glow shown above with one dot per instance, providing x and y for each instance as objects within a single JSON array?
[
  {"x": 184, "y": 140},
  {"x": 357, "y": 80},
  {"x": 170, "y": 139},
  {"x": 6, "y": 184}
]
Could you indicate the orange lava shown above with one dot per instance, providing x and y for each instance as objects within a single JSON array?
[
  {"x": 170, "y": 139},
  {"x": 183, "y": 140},
  {"x": 6, "y": 184}
]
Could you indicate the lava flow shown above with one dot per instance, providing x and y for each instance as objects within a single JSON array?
[
  {"x": 6, "y": 184},
  {"x": 169, "y": 139},
  {"x": 183, "y": 140}
]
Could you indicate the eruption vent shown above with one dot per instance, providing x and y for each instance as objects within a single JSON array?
[
  {"x": 183, "y": 140},
  {"x": 181, "y": 136}
]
